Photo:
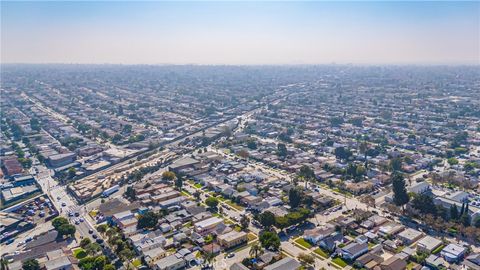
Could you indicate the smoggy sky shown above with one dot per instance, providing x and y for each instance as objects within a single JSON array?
[{"x": 241, "y": 32}]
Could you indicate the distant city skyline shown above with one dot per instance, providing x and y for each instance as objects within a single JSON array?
[{"x": 241, "y": 33}]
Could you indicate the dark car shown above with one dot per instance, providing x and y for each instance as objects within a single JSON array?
[
  {"x": 94, "y": 236},
  {"x": 99, "y": 240},
  {"x": 90, "y": 231}
]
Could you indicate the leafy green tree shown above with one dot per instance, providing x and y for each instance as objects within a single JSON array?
[
  {"x": 147, "y": 220},
  {"x": 127, "y": 129},
  {"x": 424, "y": 204},
  {"x": 67, "y": 230},
  {"x": 284, "y": 137},
  {"x": 179, "y": 183},
  {"x": 59, "y": 221},
  {"x": 102, "y": 228},
  {"x": 92, "y": 248},
  {"x": 108, "y": 267},
  {"x": 252, "y": 144},
  {"x": 255, "y": 250},
  {"x": 267, "y": 219},
  {"x": 462, "y": 209},
  {"x": 465, "y": 219},
  {"x": 116, "y": 138},
  {"x": 459, "y": 139},
  {"x": 281, "y": 150},
  {"x": 26, "y": 162},
  {"x": 357, "y": 121},
  {"x": 400, "y": 195},
  {"x": 454, "y": 214},
  {"x": 71, "y": 172},
  {"x": 270, "y": 240},
  {"x": 35, "y": 124},
  {"x": 476, "y": 222},
  {"x": 31, "y": 264},
  {"x": 168, "y": 175},
  {"x": 336, "y": 121},
  {"x": 85, "y": 242},
  {"x": 307, "y": 174},
  {"x": 395, "y": 164},
  {"x": 87, "y": 263},
  {"x": 100, "y": 262},
  {"x": 126, "y": 254},
  {"x": 196, "y": 195},
  {"x": 294, "y": 197},
  {"x": 342, "y": 153},
  {"x": 452, "y": 161},
  {"x": 282, "y": 222},
  {"x": 130, "y": 193},
  {"x": 26, "y": 140},
  {"x": 211, "y": 202},
  {"x": 244, "y": 222}
]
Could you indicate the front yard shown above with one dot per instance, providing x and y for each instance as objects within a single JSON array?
[
  {"x": 339, "y": 261},
  {"x": 300, "y": 241},
  {"x": 321, "y": 253}
]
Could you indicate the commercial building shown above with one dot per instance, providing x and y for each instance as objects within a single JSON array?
[{"x": 60, "y": 160}]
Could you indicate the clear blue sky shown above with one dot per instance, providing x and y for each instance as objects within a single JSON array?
[{"x": 241, "y": 32}]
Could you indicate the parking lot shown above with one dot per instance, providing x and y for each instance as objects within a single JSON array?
[{"x": 38, "y": 210}]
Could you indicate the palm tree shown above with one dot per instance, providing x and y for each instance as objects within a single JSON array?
[
  {"x": 4, "y": 264},
  {"x": 196, "y": 195},
  {"x": 255, "y": 250},
  {"x": 110, "y": 232},
  {"x": 208, "y": 257},
  {"x": 363, "y": 149}
]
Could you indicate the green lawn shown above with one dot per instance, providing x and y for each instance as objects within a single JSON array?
[
  {"x": 185, "y": 193},
  {"x": 322, "y": 253},
  {"x": 136, "y": 263},
  {"x": 198, "y": 185},
  {"x": 399, "y": 249},
  {"x": 410, "y": 265},
  {"x": 339, "y": 261},
  {"x": 300, "y": 241},
  {"x": 79, "y": 253},
  {"x": 437, "y": 250},
  {"x": 234, "y": 205}
]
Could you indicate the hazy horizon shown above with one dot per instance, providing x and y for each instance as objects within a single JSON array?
[{"x": 241, "y": 33}]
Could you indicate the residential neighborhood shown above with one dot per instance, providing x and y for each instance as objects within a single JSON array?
[{"x": 274, "y": 168}]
